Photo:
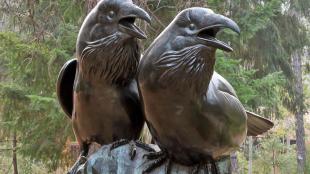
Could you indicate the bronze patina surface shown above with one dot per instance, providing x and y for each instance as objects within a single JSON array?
[
  {"x": 193, "y": 113},
  {"x": 105, "y": 104}
]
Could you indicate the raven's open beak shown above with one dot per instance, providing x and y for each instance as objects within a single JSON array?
[
  {"x": 211, "y": 26},
  {"x": 127, "y": 21}
]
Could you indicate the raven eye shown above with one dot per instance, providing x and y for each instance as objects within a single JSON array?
[
  {"x": 192, "y": 26},
  {"x": 111, "y": 14}
]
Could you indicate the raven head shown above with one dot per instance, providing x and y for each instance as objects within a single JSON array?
[
  {"x": 200, "y": 25},
  {"x": 112, "y": 17},
  {"x": 184, "y": 53}
]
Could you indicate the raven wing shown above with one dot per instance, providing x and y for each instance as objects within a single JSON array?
[
  {"x": 256, "y": 124},
  {"x": 65, "y": 84}
]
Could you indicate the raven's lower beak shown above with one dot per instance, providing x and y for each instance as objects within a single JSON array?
[
  {"x": 212, "y": 25},
  {"x": 127, "y": 22}
]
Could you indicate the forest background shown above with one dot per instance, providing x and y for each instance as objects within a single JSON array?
[{"x": 269, "y": 70}]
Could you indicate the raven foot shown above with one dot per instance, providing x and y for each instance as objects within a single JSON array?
[
  {"x": 80, "y": 161},
  {"x": 169, "y": 166},
  {"x": 133, "y": 150},
  {"x": 135, "y": 144},
  {"x": 199, "y": 166},
  {"x": 133, "y": 147},
  {"x": 123, "y": 142},
  {"x": 144, "y": 146},
  {"x": 214, "y": 168},
  {"x": 154, "y": 155},
  {"x": 119, "y": 143},
  {"x": 206, "y": 166},
  {"x": 160, "y": 158}
]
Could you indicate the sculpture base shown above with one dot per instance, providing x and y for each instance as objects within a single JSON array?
[{"x": 118, "y": 162}]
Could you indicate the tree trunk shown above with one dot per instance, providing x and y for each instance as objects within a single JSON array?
[
  {"x": 288, "y": 142},
  {"x": 299, "y": 120},
  {"x": 14, "y": 154},
  {"x": 250, "y": 154},
  {"x": 273, "y": 162}
]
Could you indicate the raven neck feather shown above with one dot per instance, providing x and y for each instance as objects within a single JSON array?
[
  {"x": 188, "y": 69},
  {"x": 110, "y": 59}
]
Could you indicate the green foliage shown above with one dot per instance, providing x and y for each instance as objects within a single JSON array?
[
  {"x": 44, "y": 38},
  {"x": 275, "y": 155},
  {"x": 254, "y": 92},
  {"x": 25, "y": 165},
  {"x": 30, "y": 107},
  {"x": 31, "y": 59},
  {"x": 270, "y": 154},
  {"x": 32, "y": 63}
]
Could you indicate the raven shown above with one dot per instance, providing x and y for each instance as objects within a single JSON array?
[
  {"x": 98, "y": 90},
  {"x": 192, "y": 112}
]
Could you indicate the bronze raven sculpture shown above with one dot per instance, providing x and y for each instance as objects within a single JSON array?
[
  {"x": 98, "y": 90},
  {"x": 193, "y": 113}
]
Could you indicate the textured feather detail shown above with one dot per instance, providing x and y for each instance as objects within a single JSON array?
[
  {"x": 257, "y": 125},
  {"x": 111, "y": 59},
  {"x": 188, "y": 68}
]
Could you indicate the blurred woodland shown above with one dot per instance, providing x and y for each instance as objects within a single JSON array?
[{"x": 269, "y": 69}]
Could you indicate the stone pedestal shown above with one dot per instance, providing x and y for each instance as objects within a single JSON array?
[{"x": 119, "y": 162}]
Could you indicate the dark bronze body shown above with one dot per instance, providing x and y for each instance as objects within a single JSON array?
[
  {"x": 193, "y": 113},
  {"x": 105, "y": 104}
]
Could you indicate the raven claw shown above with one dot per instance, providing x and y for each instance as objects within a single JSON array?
[
  {"x": 135, "y": 144},
  {"x": 197, "y": 167},
  {"x": 80, "y": 161},
  {"x": 168, "y": 167},
  {"x": 133, "y": 147},
  {"x": 154, "y": 155},
  {"x": 205, "y": 167},
  {"x": 214, "y": 168},
  {"x": 144, "y": 146},
  {"x": 160, "y": 158},
  {"x": 154, "y": 164},
  {"x": 133, "y": 150},
  {"x": 83, "y": 159},
  {"x": 119, "y": 143}
]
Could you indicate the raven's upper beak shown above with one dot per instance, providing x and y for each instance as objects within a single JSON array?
[
  {"x": 211, "y": 25},
  {"x": 129, "y": 14}
]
